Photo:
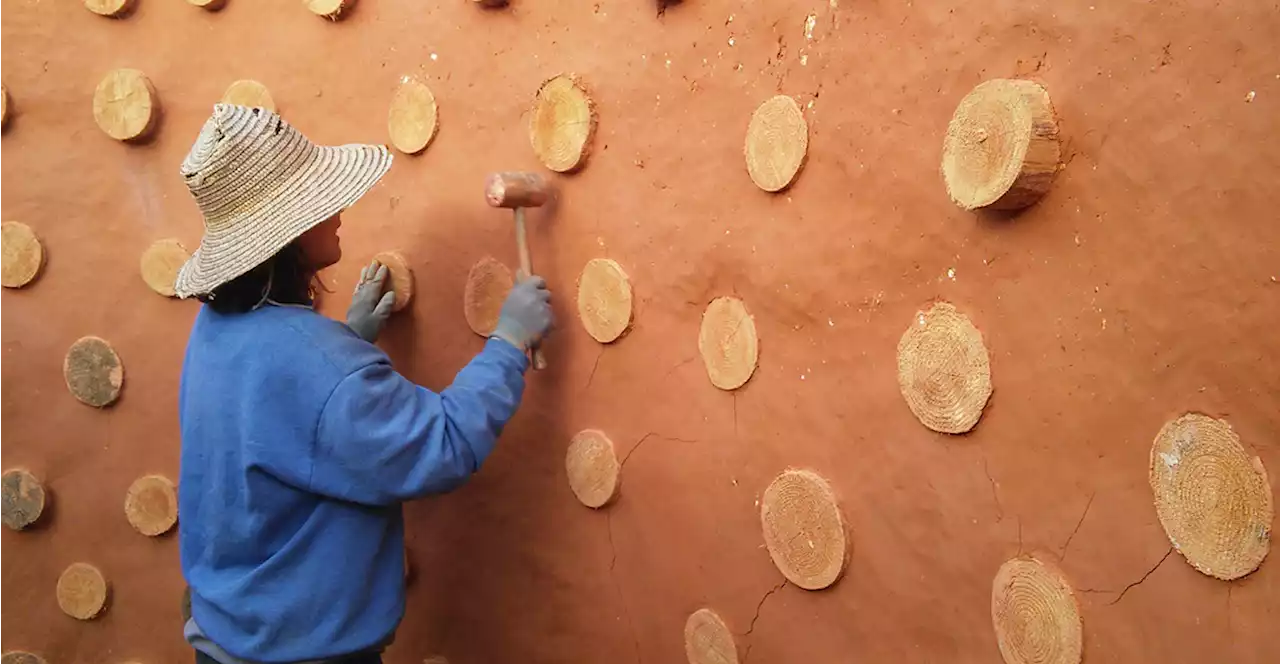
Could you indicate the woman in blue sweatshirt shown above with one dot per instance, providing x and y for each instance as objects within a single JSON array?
[{"x": 299, "y": 440}]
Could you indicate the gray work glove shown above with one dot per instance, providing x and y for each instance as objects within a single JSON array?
[
  {"x": 370, "y": 307},
  {"x": 526, "y": 315}
]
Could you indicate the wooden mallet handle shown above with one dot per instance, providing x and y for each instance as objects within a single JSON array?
[{"x": 518, "y": 191}]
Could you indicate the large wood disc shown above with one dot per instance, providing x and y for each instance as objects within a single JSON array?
[
  {"x": 109, "y": 8},
  {"x": 604, "y": 300},
  {"x": 160, "y": 264},
  {"x": 562, "y": 124},
  {"x": 707, "y": 640},
  {"x": 413, "y": 117},
  {"x": 803, "y": 529},
  {"x": 330, "y": 9},
  {"x": 1036, "y": 618},
  {"x": 777, "y": 142},
  {"x": 1212, "y": 497},
  {"x": 125, "y": 105},
  {"x": 1001, "y": 150},
  {"x": 488, "y": 284},
  {"x": 251, "y": 93},
  {"x": 23, "y": 255},
  {"x": 93, "y": 372},
  {"x": 82, "y": 591},
  {"x": 151, "y": 505},
  {"x": 943, "y": 370},
  {"x": 592, "y": 466},
  {"x": 728, "y": 343},
  {"x": 401, "y": 276},
  {"x": 23, "y": 498}
]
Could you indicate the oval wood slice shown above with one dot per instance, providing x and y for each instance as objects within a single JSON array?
[
  {"x": 804, "y": 529},
  {"x": 944, "y": 372},
  {"x": 777, "y": 143},
  {"x": 251, "y": 93},
  {"x": 330, "y": 9},
  {"x": 1036, "y": 618},
  {"x": 20, "y": 657},
  {"x": 604, "y": 300},
  {"x": 23, "y": 498},
  {"x": 1001, "y": 150},
  {"x": 160, "y": 264},
  {"x": 4, "y": 106},
  {"x": 592, "y": 466},
  {"x": 82, "y": 591},
  {"x": 488, "y": 284},
  {"x": 401, "y": 277},
  {"x": 562, "y": 124},
  {"x": 23, "y": 255},
  {"x": 125, "y": 105},
  {"x": 151, "y": 505},
  {"x": 728, "y": 343},
  {"x": 1213, "y": 498},
  {"x": 707, "y": 640},
  {"x": 93, "y": 372},
  {"x": 413, "y": 117},
  {"x": 109, "y": 8},
  {"x": 211, "y": 5}
]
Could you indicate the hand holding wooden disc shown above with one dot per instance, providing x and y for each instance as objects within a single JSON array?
[
  {"x": 488, "y": 284},
  {"x": 604, "y": 300},
  {"x": 562, "y": 124},
  {"x": 803, "y": 529},
  {"x": 109, "y": 8},
  {"x": 93, "y": 372},
  {"x": 23, "y": 255},
  {"x": 777, "y": 143},
  {"x": 413, "y": 117},
  {"x": 82, "y": 591},
  {"x": 251, "y": 93},
  {"x": 1035, "y": 614},
  {"x": 160, "y": 264},
  {"x": 401, "y": 276},
  {"x": 707, "y": 640},
  {"x": 728, "y": 344},
  {"x": 23, "y": 499},
  {"x": 151, "y": 505},
  {"x": 125, "y": 105},
  {"x": 592, "y": 465},
  {"x": 1001, "y": 150},
  {"x": 943, "y": 370}
]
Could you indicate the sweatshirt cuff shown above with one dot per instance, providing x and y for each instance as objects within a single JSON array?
[{"x": 507, "y": 351}]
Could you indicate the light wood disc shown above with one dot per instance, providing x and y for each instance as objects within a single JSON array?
[
  {"x": 604, "y": 300},
  {"x": 151, "y": 505},
  {"x": 728, "y": 343},
  {"x": 93, "y": 372},
  {"x": 413, "y": 117},
  {"x": 777, "y": 143},
  {"x": 401, "y": 276},
  {"x": 23, "y": 255},
  {"x": 125, "y": 105},
  {"x": 109, "y": 8},
  {"x": 82, "y": 591},
  {"x": 488, "y": 284},
  {"x": 803, "y": 529},
  {"x": 160, "y": 264},
  {"x": 251, "y": 93},
  {"x": 944, "y": 372},
  {"x": 562, "y": 124},
  {"x": 1036, "y": 618},
  {"x": 707, "y": 640},
  {"x": 592, "y": 465}
]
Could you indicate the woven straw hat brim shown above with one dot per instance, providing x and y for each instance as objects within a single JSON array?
[{"x": 333, "y": 179}]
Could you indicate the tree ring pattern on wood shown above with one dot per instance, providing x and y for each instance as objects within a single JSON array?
[
  {"x": 23, "y": 255},
  {"x": 488, "y": 284},
  {"x": 1212, "y": 497},
  {"x": 125, "y": 105},
  {"x": 562, "y": 124},
  {"x": 93, "y": 372},
  {"x": 251, "y": 93},
  {"x": 604, "y": 300},
  {"x": 401, "y": 276},
  {"x": 592, "y": 466},
  {"x": 707, "y": 640},
  {"x": 777, "y": 143},
  {"x": 109, "y": 8},
  {"x": 82, "y": 591},
  {"x": 160, "y": 264},
  {"x": 943, "y": 370},
  {"x": 804, "y": 529},
  {"x": 23, "y": 498},
  {"x": 1035, "y": 615},
  {"x": 151, "y": 505},
  {"x": 413, "y": 117},
  {"x": 728, "y": 343}
]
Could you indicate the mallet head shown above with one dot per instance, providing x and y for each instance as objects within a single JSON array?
[{"x": 515, "y": 190}]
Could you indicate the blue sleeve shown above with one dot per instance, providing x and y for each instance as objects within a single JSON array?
[{"x": 382, "y": 439}]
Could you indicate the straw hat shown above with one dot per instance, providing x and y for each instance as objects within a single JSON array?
[{"x": 260, "y": 184}]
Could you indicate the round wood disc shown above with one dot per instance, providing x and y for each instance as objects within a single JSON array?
[
  {"x": 401, "y": 277},
  {"x": 23, "y": 498},
  {"x": 562, "y": 124},
  {"x": 413, "y": 117},
  {"x": 160, "y": 264},
  {"x": 151, "y": 505},
  {"x": 777, "y": 142},
  {"x": 125, "y": 104},
  {"x": 488, "y": 284},
  {"x": 604, "y": 300},
  {"x": 592, "y": 465},
  {"x": 1001, "y": 150},
  {"x": 943, "y": 370},
  {"x": 82, "y": 591},
  {"x": 251, "y": 93},
  {"x": 20, "y": 657},
  {"x": 803, "y": 529},
  {"x": 93, "y": 372},
  {"x": 728, "y": 343},
  {"x": 329, "y": 8},
  {"x": 1212, "y": 497},
  {"x": 707, "y": 640},
  {"x": 1036, "y": 618},
  {"x": 23, "y": 255},
  {"x": 111, "y": 8}
]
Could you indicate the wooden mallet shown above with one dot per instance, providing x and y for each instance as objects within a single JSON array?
[{"x": 517, "y": 190}]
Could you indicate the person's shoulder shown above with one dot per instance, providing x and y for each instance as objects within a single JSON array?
[
  {"x": 335, "y": 343},
  {"x": 298, "y": 337}
]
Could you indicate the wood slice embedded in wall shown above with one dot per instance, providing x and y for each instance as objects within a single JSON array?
[
  {"x": 93, "y": 372},
  {"x": 24, "y": 498},
  {"x": 944, "y": 371},
  {"x": 413, "y": 117},
  {"x": 604, "y": 300},
  {"x": 488, "y": 284},
  {"x": 803, "y": 529},
  {"x": 562, "y": 124},
  {"x": 151, "y": 505},
  {"x": 125, "y": 105},
  {"x": 592, "y": 466},
  {"x": 728, "y": 343},
  {"x": 707, "y": 640},
  {"x": 400, "y": 276},
  {"x": 160, "y": 264},
  {"x": 777, "y": 143},
  {"x": 248, "y": 92},
  {"x": 82, "y": 591},
  {"x": 1036, "y": 618},
  {"x": 330, "y": 9},
  {"x": 110, "y": 8},
  {"x": 23, "y": 255},
  {"x": 21, "y": 657}
]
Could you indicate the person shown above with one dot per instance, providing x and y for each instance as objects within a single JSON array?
[{"x": 299, "y": 439}]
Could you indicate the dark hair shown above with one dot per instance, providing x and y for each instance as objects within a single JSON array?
[{"x": 288, "y": 275}]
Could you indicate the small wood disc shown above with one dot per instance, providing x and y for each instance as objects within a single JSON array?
[
  {"x": 1212, "y": 497},
  {"x": 93, "y": 372},
  {"x": 1001, "y": 150},
  {"x": 943, "y": 370},
  {"x": 413, "y": 117},
  {"x": 401, "y": 277},
  {"x": 109, "y": 8},
  {"x": 23, "y": 498},
  {"x": 803, "y": 529},
  {"x": 592, "y": 465},
  {"x": 488, "y": 284},
  {"x": 1036, "y": 618},
  {"x": 20, "y": 657},
  {"x": 728, "y": 343},
  {"x": 604, "y": 300},
  {"x": 125, "y": 104},
  {"x": 211, "y": 5},
  {"x": 562, "y": 124},
  {"x": 331, "y": 9},
  {"x": 151, "y": 505},
  {"x": 23, "y": 255},
  {"x": 160, "y": 264},
  {"x": 777, "y": 142},
  {"x": 82, "y": 591},
  {"x": 251, "y": 93},
  {"x": 4, "y": 106},
  {"x": 707, "y": 640}
]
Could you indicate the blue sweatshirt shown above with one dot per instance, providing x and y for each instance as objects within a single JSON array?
[{"x": 299, "y": 442}]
